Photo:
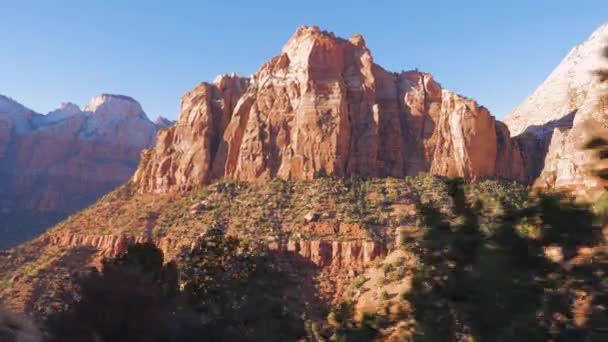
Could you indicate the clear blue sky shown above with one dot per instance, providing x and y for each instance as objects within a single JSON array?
[{"x": 494, "y": 51}]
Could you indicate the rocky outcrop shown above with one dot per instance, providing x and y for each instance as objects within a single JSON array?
[
  {"x": 568, "y": 165},
  {"x": 561, "y": 116},
  {"x": 162, "y": 122},
  {"x": 321, "y": 252},
  {"x": 323, "y": 107},
  {"x": 59, "y": 163},
  {"x": 192, "y": 151},
  {"x": 335, "y": 253},
  {"x": 109, "y": 245}
]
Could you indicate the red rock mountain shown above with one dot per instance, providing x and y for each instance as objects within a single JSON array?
[
  {"x": 56, "y": 164},
  {"x": 323, "y": 107}
]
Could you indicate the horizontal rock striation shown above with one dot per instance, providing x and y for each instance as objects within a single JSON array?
[
  {"x": 321, "y": 252},
  {"x": 108, "y": 245}
]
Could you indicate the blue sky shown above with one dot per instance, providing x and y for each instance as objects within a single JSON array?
[{"x": 494, "y": 51}]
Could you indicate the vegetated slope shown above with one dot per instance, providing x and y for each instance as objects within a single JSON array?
[
  {"x": 337, "y": 224},
  {"x": 397, "y": 257}
]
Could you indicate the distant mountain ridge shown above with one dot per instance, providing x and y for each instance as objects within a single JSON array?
[{"x": 55, "y": 164}]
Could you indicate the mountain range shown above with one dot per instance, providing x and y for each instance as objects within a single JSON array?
[{"x": 56, "y": 164}]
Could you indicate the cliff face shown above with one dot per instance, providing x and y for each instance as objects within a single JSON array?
[
  {"x": 327, "y": 252},
  {"x": 323, "y": 107},
  {"x": 567, "y": 165},
  {"x": 58, "y": 163},
  {"x": 554, "y": 103},
  {"x": 192, "y": 151},
  {"x": 562, "y": 115}
]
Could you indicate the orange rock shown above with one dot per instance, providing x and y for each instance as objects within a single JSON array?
[
  {"x": 323, "y": 107},
  {"x": 192, "y": 152}
]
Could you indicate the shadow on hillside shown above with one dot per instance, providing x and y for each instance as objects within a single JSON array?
[
  {"x": 53, "y": 281},
  {"x": 302, "y": 287},
  {"x": 502, "y": 286},
  {"x": 224, "y": 289},
  {"x": 564, "y": 122}
]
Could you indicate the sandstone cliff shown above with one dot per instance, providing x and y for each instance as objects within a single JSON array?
[
  {"x": 567, "y": 164},
  {"x": 554, "y": 103},
  {"x": 323, "y": 107},
  {"x": 56, "y": 164},
  {"x": 562, "y": 115}
]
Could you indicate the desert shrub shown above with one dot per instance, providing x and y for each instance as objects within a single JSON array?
[
  {"x": 360, "y": 280},
  {"x": 500, "y": 286}
]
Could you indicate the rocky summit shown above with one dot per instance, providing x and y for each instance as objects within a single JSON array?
[
  {"x": 56, "y": 164},
  {"x": 324, "y": 108}
]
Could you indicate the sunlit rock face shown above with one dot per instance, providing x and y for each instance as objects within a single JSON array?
[
  {"x": 324, "y": 108},
  {"x": 563, "y": 93},
  {"x": 568, "y": 164},
  {"x": 562, "y": 115}
]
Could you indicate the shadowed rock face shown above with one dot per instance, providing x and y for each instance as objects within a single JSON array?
[
  {"x": 323, "y": 107},
  {"x": 56, "y": 164}
]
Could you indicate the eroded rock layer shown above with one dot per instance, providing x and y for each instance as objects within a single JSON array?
[{"x": 324, "y": 108}]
